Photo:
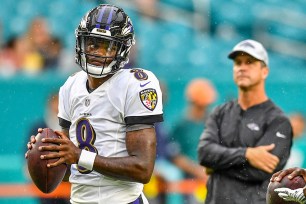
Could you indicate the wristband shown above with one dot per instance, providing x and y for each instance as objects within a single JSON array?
[{"x": 87, "y": 159}]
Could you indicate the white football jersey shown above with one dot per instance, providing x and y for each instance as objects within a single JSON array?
[{"x": 99, "y": 120}]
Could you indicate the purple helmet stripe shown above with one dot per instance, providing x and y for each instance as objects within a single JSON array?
[
  {"x": 109, "y": 18},
  {"x": 100, "y": 17}
]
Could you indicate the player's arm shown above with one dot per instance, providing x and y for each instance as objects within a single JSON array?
[
  {"x": 212, "y": 153},
  {"x": 137, "y": 166}
]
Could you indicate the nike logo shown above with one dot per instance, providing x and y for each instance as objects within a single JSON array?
[
  {"x": 278, "y": 134},
  {"x": 143, "y": 85}
]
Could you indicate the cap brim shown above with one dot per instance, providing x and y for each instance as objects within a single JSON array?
[{"x": 233, "y": 54}]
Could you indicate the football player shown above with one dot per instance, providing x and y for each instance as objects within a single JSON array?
[{"x": 107, "y": 114}]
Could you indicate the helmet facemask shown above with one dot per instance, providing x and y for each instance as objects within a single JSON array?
[{"x": 100, "y": 56}]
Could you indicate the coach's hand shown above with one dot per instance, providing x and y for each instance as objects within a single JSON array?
[{"x": 261, "y": 158}]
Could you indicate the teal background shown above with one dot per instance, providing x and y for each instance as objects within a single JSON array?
[{"x": 176, "y": 52}]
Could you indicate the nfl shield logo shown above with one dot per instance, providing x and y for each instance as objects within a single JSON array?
[
  {"x": 148, "y": 98},
  {"x": 87, "y": 102}
]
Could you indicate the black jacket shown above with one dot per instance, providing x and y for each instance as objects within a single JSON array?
[{"x": 229, "y": 131}]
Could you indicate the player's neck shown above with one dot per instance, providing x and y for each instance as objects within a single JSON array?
[{"x": 94, "y": 83}]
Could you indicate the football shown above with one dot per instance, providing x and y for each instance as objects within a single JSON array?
[
  {"x": 273, "y": 198},
  {"x": 46, "y": 179}
]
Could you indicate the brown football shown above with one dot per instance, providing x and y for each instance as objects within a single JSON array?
[
  {"x": 273, "y": 198},
  {"x": 46, "y": 179}
]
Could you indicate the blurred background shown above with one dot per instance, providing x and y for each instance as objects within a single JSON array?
[{"x": 178, "y": 40}]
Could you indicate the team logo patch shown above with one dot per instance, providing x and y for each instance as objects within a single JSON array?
[
  {"x": 253, "y": 126},
  {"x": 149, "y": 98}
]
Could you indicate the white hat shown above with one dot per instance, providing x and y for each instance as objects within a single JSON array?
[{"x": 251, "y": 47}]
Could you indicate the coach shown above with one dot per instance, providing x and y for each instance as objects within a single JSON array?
[{"x": 248, "y": 139}]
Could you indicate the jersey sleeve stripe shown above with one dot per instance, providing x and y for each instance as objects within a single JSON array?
[
  {"x": 64, "y": 123},
  {"x": 148, "y": 119}
]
